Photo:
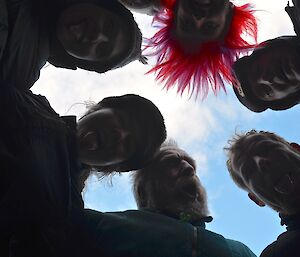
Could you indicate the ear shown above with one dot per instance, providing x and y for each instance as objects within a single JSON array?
[
  {"x": 256, "y": 200},
  {"x": 295, "y": 146},
  {"x": 141, "y": 196}
]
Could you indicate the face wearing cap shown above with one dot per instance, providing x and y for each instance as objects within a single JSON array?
[
  {"x": 176, "y": 187},
  {"x": 90, "y": 32}
]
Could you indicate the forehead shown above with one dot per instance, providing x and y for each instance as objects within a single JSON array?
[
  {"x": 250, "y": 141},
  {"x": 251, "y": 144},
  {"x": 168, "y": 154},
  {"x": 169, "y": 151}
]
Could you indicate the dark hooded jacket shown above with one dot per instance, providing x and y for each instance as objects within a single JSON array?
[
  {"x": 38, "y": 158},
  {"x": 287, "y": 244}
]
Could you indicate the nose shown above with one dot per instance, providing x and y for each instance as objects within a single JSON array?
[
  {"x": 186, "y": 168},
  {"x": 200, "y": 13},
  {"x": 198, "y": 22}
]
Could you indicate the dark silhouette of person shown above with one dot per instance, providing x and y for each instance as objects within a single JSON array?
[
  {"x": 170, "y": 187},
  {"x": 267, "y": 167},
  {"x": 95, "y": 35},
  {"x": 44, "y": 158}
]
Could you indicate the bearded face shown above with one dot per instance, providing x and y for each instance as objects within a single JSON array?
[{"x": 177, "y": 188}]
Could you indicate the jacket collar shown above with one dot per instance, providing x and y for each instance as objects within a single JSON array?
[{"x": 185, "y": 218}]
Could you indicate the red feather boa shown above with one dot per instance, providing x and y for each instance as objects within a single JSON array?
[{"x": 211, "y": 66}]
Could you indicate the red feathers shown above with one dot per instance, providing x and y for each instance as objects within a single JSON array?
[{"x": 211, "y": 66}]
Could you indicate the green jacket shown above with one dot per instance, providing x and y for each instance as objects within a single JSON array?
[{"x": 143, "y": 233}]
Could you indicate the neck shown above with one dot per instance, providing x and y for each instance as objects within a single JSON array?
[
  {"x": 192, "y": 212},
  {"x": 292, "y": 222}
]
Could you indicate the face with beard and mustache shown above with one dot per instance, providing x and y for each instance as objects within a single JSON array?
[
  {"x": 199, "y": 21},
  {"x": 176, "y": 188},
  {"x": 270, "y": 171}
]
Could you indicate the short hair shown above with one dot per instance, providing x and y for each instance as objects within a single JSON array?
[
  {"x": 234, "y": 147},
  {"x": 150, "y": 121}
]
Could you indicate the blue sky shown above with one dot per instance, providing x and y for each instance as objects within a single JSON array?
[{"x": 201, "y": 128}]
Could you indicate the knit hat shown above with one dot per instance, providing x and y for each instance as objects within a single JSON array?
[
  {"x": 60, "y": 58},
  {"x": 243, "y": 90},
  {"x": 150, "y": 122}
]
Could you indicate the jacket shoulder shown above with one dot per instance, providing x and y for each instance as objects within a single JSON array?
[{"x": 239, "y": 249}]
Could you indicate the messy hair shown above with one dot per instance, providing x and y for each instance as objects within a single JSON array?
[{"x": 234, "y": 147}]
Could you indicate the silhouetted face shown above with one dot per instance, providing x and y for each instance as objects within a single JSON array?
[
  {"x": 202, "y": 20},
  {"x": 272, "y": 72},
  {"x": 92, "y": 33},
  {"x": 176, "y": 186},
  {"x": 107, "y": 137},
  {"x": 271, "y": 170}
]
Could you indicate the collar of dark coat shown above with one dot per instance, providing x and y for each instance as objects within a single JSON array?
[
  {"x": 292, "y": 222},
  {"x": 184, "y": 218}
]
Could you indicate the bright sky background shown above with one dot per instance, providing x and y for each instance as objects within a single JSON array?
[{"x": 201, "y": 128}]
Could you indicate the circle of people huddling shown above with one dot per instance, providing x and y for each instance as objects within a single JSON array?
[{"x": 200, "y": 46}]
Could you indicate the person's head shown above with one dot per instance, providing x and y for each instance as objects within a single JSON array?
[
  {"x": 270, "y": 76},
  {"x": 120, "y": 133},
  {"x": 198, "y": 42},
  {"x": 169, "y": 184},
  {"x": 96, "y": 35},
  {"x": 268, "y": 168},
  {"x": 199, "y": 21}
]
